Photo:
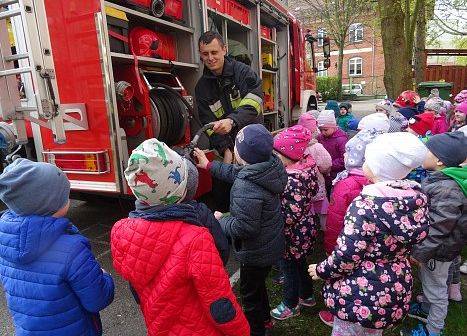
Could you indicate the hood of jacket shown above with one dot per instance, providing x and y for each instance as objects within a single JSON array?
[
  {"x": 270, "y": 175},
  {"x": 459, "y": 175},
  {"x": 408, "y": 214},
  {"x": 24, "y": 239}
]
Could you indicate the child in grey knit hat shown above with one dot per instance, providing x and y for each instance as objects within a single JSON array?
[{"x": 52, "y": 281}]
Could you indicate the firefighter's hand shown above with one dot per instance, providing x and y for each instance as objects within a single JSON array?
[
  {"x": 218, "y": 215},
  {"x": 312, "y": 272},
  {"x": 201, "y": 157},
  {"x": 223, "y": 126}
]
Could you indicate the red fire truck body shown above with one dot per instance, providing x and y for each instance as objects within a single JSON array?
[{"x": 89, "y": 104}]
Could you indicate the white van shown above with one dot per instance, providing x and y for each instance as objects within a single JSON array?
[{"x": 357, "y": 89}]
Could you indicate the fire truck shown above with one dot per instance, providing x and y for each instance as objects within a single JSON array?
[{"x": 82, "y": 83}]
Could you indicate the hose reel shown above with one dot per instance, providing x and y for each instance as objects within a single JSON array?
[{"x": 169, "y": 114}]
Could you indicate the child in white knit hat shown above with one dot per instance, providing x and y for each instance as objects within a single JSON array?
[{"x": 368, "y": 275}]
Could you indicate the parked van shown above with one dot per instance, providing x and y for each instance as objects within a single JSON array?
[{"x": 357, "y": 89}]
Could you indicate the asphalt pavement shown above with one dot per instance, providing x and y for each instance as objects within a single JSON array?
[{"x": 95, "y": 220}]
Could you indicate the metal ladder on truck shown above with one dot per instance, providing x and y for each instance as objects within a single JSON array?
[{"x": 41, "y": 106}]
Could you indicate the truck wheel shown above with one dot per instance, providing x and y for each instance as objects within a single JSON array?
[
  {"x": 158, "y": 8},
  {"x": 312, "y": 104}
]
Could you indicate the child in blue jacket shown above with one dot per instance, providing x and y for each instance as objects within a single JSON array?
[{"x": 52, "y": 282}]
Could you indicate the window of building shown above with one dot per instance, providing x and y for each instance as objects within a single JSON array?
[
  {"x": 356, "y": 33},
  {"x": 322, "y": 72},
  {"x": 355, "y": 66},
  {"x": 321, "y": 35}
]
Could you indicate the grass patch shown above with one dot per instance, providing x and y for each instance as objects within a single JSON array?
[{"x": 308, "y": 323}]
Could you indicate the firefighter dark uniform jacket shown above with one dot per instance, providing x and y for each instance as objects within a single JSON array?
[{"x": 236, "y": 94}]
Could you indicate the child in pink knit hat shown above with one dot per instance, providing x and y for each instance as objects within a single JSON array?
[
  {"x": 320, "y": 203},
  {"x": 300, "y": 229}
]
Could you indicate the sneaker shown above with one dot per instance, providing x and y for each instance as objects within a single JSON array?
[
  {"x": 417, "y": 312},
  {"x": 455, "y": 292},
  {"x": 326, "y": 317},
  {"x": 310, "y": 302},
  {"x": 419, "y": 330},
  {"x": 282, "y": 312}
]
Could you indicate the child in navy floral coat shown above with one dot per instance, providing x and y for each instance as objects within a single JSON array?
[
  {"x": 300, "y": 229},
  {"x": 368, "y": 276}
]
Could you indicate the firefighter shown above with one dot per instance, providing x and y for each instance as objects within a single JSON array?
[{"x": 229, "y": 93}]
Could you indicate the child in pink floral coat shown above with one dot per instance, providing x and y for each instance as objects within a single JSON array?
[
  {"x": 368, "y": 276},
  {"x": 323, "y": 161},
  {"x": 300, "y": 229}
]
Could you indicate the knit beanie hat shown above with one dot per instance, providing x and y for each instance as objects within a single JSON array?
[
  {"x": 461, "y": 97},
  {"x": 334, "y": 106},
  {"x": 391, "y": 156},
  {"x": 355, "y": 148},
  {"x": 156, "y": 174},
  {"x": 34, "y": 188},
  {"x": 377, "y": 121},
  {"x": 327, "y": 119},
  {"x": 353, "y": 124},
  {"x": 449, "y": 148},
  {"x": 344, "y": 106},
  {"x": 408, "y": 112},
  {"x": 386, "y": 105},
  {"x": 435, "y": 104},
  {"x": 422, "y": 123},
  {"x": 397, "y": 123},
  {"x": 309, "y": 122},
  {"x": 254, "y": 143},
  {"x": 292, "y": 142},
  {"x": 462, "y": 107}
]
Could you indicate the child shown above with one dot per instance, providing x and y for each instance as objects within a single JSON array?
[
  {"x": 447, "y": 189},
  {"x": 397, "y": 122},
  {"x": 408, "y": 104},
  {"x": 333, "y": 140},
  {"x": 435, "y": 106},
  {"x": 53, "y": 284},
  {"x": 166, "y": 249},
  {"x": 422, "y": 124},
  {"x": 377, "y": 122},
  {"x": 319, "y": 205},
  {"x": 460, "y": 115},
  {"x": 347, "y": 186},
  {"x": 255, "y": 225},
  {"x": 300, "y": 229},
  {"x": 344, "y": 117},
  {"x": 368, "y": 275},
  {"x": 334, "y": 106}
]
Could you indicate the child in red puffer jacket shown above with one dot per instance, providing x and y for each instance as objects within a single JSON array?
[{"x": 167, "y": 250}]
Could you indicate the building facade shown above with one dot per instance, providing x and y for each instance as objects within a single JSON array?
[{"x": 363, "y": 53}]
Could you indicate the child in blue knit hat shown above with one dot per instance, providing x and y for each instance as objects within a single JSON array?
[
  {"x": 53, "y": 284},
  {"x": 255, "y": 225}
]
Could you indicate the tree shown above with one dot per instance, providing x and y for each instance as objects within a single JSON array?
[
  {"x": 422, "y": 36},
  {"x": 398, "y": 23},
  {"x": 337, "y": 16}
]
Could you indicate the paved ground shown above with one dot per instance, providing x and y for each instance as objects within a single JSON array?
[
  {"x": 95, "y": 220},
  {"x": 360, "y": 108}
]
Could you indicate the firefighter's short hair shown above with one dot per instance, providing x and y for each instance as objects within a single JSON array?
[{"x": 209, "y": 36}]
